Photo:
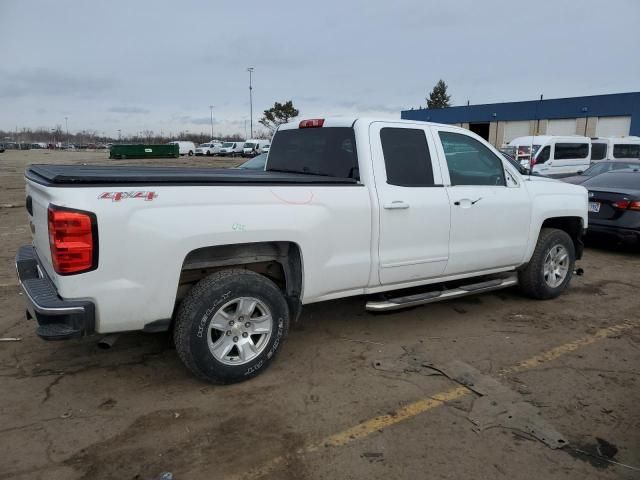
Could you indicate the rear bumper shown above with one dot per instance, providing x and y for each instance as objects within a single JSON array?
[
  {"x": 624, "y": 235},
  {"x": 57, "y": 318}
]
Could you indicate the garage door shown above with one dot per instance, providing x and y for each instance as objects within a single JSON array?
[
  {"x": 613, "y": 126},
  {"x": 565, "y": 126},
  {"x": 515, "y": 129}
]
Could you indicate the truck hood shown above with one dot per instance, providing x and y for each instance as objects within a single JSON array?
[{"x": 540, "y": 178}]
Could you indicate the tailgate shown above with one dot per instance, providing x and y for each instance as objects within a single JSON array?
[{"x": 38, "y": 199}]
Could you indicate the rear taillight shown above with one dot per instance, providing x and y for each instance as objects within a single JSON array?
[
  {"x": 73, "y": 238},
  {"x": 313, "y": 123},
  {"x": 626, "y": 205},
  {"x": 621, "y": 204}
]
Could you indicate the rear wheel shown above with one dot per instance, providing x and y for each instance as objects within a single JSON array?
[
  {"x": 551, "y": 266},
  {"x": 191, "y": 153},
  {"x": 230, "y": 325}
]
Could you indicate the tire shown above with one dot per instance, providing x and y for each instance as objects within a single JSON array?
[
  {"x": 191, "y": 153},
  {"x": 544, "y": 284},
  {"x": 203, "y": 326}
]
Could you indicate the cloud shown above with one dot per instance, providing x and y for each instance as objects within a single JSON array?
[
  {"x": 195, "y": 120},
  {"x": 129, "y": 110},
  {"x": 45, "y": 82}
]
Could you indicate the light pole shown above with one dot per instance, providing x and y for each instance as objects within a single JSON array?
[
  {"x": 66, "y": 124},
  {"x": 245, "y": 129},
  {"x": 119, "y": 136},
  {"x": 250, "y": 70},
  {"x": 211, "y": 108}
]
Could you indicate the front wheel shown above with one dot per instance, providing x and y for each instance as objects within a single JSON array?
[
  {"x": 551, "y": 266},
  {"x": 230, "y": 326}
]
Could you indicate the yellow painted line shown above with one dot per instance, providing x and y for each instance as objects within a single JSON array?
[
  {"x": 570, "y": 347},
  {"x": 368, "y": 427}
]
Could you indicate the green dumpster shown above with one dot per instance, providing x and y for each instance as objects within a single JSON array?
[{"x": 144, "y": 151}]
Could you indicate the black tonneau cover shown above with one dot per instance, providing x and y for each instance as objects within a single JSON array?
[{"x": 69, "y": 175}]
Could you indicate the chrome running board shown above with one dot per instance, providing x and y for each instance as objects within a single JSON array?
[{"x": 440, "y": 295}]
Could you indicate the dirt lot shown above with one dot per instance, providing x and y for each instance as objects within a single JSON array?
[{"x": 69, "y": 410}]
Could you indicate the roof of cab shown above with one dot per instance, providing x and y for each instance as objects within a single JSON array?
[{"x": 350, "y": 121}]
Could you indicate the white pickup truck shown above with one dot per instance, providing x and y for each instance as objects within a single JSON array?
[{"x": 403, "y": 212}]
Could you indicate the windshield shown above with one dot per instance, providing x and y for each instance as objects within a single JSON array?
[
  {"x": 319, "y": 151},
  {"x": 248, "y": 145},
  {"x": 622, "y": 179},
  {"x": 515, "y": 163},
  {"x": 602, "y": 167},
  {"x": 204, "y": 145},
  {"x": 256, "y": 163},
  {"x": 227, "y": 145}
]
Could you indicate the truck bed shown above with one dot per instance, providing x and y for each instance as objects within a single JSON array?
[{"x": 78, "y": 175}]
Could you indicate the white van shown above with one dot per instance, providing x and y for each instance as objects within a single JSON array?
[
  {"x": 231, "y": 149},
  {"x": 208, "y": 149},
  {"x": 185, "y": 148},
  {"x": 253, "y": 147},
  {"x": 615, "y": 148},
  {"x": 554, "y": 155}
]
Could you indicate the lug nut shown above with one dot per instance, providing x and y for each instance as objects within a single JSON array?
[
  {"x": 231, "y": 322},
  {"x": 235, "y": 339},
  {"x": 228, "y": 332},
  {"x": 247, "y": 325},
  {"x": 245, "y": 335},
  {"x": 241, "y": 318}
]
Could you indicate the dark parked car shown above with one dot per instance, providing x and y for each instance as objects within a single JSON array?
[
  {"x": 601, "y": 167},
  {"x": 614, "y": 205}
]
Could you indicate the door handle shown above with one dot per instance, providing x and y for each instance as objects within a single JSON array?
[
  {"x": 396, "y": 205},
  {"x": 466, "y": 202}
]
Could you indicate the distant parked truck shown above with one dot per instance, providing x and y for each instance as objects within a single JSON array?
[
  {"x": 185, "y": 148},
  {"x": 144, "y": 151},
  {"x": 553, "y": 155},
  {"x": 615, "y": 148},
  {"x": 231, "y": 149},
  {"x": 254, "y": 147}
]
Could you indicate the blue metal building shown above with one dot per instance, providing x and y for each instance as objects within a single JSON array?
[{"x": 598, "y": 115}]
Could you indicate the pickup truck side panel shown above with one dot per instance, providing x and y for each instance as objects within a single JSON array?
[{"x": 144, "y": 243}]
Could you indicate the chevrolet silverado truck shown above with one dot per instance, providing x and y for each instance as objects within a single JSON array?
[{"x": 402, "y": 213}]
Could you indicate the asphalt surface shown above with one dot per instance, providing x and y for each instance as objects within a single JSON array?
[{"x": 323, "y": 410}]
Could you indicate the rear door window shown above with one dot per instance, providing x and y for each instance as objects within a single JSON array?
[
  {"x": 571, "y": 151},
  {"x": 470, "y": 162},
  {"x": 406, "y": 157}
]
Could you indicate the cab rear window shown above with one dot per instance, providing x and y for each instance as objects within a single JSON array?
[{"x": 316, "y": 151}]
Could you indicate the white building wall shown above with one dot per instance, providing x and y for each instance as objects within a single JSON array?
[
  {"x": 613, "y": 126},
  {"x": 564, "y": 126},
  {"x": 514, "y": 130}
]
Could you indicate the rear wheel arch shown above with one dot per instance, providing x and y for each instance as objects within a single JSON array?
[{"x": 281, "y": 262}]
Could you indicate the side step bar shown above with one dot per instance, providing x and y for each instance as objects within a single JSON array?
[{"x": 440, "y": 295}]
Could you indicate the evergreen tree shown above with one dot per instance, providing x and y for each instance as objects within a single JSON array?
[{"x": 438, "y": 97}]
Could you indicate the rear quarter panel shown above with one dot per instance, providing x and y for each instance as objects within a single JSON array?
[{"x": 144, "y": 243}]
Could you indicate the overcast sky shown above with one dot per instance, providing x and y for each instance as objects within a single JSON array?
[{"x": 158, "y": 65}]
